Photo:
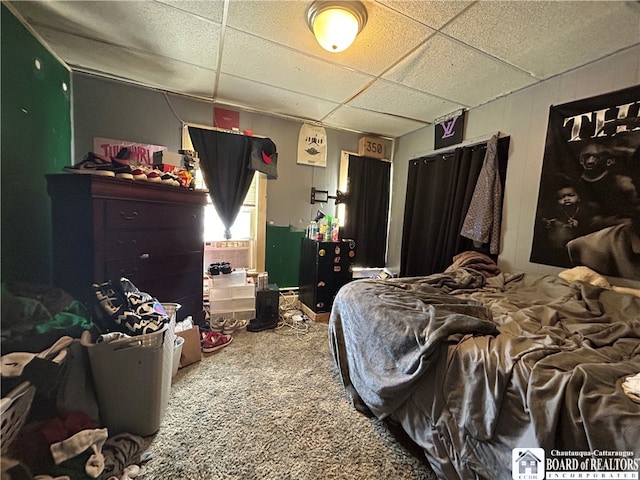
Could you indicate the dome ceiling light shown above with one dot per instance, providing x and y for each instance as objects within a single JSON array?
[{"x": 336, "y": 24}]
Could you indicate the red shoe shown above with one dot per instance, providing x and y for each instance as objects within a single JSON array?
[{"x": 212, "y": 341}]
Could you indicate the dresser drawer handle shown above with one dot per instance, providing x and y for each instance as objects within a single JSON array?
[
  {"x": 144, "y": 256},
  {"x": 129, "y": 217}
]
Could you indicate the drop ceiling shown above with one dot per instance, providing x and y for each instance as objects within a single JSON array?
[{"x": 415, "y": 61}]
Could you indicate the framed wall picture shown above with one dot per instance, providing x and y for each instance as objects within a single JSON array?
[{"x": 588, "y": 211}]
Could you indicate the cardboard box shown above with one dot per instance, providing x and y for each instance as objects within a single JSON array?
[
  {"x": 191, "y": 351},
  {"x": 372, "y": 147}
]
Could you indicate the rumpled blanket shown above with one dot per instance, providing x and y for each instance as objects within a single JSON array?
[
  {"x": 406, "y": 320},
  {"x": 476, "y": 260},
  {"x": 472, "y": 367}
]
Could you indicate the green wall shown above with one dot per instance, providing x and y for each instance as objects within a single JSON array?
[
  {"x": 36, "y": 139},
  {"x": 282, "y": 255}
]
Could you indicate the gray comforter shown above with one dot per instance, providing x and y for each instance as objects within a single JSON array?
[{"x": 474, "y": 367}]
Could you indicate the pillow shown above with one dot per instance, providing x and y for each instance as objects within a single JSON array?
[{"x": 585, "y": 274}]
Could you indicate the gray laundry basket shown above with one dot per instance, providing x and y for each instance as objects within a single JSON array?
[{"x": 132, "y": 377}]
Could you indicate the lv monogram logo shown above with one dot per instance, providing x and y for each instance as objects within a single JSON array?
[{"x": 448, "y": 127}]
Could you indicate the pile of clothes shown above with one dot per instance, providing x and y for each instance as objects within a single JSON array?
[{"x": 57, "y": 432}]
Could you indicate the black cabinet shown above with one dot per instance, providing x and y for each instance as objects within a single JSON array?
[{"x": 324, "y": 268}]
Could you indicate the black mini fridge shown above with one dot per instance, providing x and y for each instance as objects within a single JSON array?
[{"x": 324, "y": 268}]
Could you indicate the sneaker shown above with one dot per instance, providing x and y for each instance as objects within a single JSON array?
[
  {"x": 97, "y": 164},
  {"x": 139, "y": 174},
  {"x": 124, "y": 172},
  {"x": 93, "y": 165},
  {"x": 154, "y": 176},
  {"x": 212, "y": 341},
  {"x": 170, "y": 179},
  {"x": 217, "y": 325},
  {"x": 233, "y": 325}
]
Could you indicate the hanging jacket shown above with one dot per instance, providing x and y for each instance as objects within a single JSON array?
[{"x": 482, "y": 222}]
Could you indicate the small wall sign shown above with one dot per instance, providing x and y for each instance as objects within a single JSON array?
[
  {"x": 372, "y": 147},
  {"x": 312, "y": 145},
  {"x": 141, "y": 153},
  {"x": 449, "y": 129}
]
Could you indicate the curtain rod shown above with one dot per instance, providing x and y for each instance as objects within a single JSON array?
[
  {"x": 218, "y": 129},
  {"x": 469, "y": 143}
]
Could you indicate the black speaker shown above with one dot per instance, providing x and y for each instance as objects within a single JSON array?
[{"x": 268, "y": 302}]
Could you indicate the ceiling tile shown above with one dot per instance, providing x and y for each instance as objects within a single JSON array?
[
  {"x": 431, "y": 13},
  {"x": 407, "y": 102},
  {"x": 450, "y": 70},
  {"x": 139, "y": 67},
  {"x": 557, "y": 35},
  {"x": 128, "y": 24},
  {"x": 397, "y": 32},
  {"x": 258, "y": 96},
  {"x": 209, "y": 10},
  {"x": 272, "y": 64},
  {"x": 374, "y": 123}
]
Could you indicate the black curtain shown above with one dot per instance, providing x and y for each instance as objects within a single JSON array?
[
  {"x": 367, "y": 209},
  {"x": 224, "y": 164},
  {"x": 439, "y": 191}
]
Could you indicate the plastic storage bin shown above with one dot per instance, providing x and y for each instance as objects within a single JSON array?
[
  {"x": 177, "y": 352},
  {"x": 132, "y": 377}
]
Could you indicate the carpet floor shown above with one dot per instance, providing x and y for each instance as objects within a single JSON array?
[{"x": 271, "y": 406}]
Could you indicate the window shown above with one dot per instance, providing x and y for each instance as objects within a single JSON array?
[
  {"x": 244, "y": 226},
  {"x": 250, "y": 223}
]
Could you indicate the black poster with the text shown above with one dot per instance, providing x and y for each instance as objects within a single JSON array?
[{"x": 588, "y": 211}]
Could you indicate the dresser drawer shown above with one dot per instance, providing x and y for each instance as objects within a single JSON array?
[
  {"x": 139, "y": 270},
  {"x": 122, "y": 214},
  {"x": 119, "y": 244},
  {"x": 175, "y": 288}
]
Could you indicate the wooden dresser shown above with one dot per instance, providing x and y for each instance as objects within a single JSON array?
[{"x": 105, "y": 228}]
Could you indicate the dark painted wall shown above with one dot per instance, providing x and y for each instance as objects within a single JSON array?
[{"x": 36, "y": 139}]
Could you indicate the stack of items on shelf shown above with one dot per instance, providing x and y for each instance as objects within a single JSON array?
[
  {"x": 231, "y": 298},
  {"x": 327, "y": 230},
  {"x": 121, "y": 166}
]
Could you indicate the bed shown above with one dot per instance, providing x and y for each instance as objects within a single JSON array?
[{"x": 473, "y": 365}]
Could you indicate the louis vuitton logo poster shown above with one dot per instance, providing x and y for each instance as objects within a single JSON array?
[
  {"x": 449, "y": 129},
  {"x": 588, "y": 211}
]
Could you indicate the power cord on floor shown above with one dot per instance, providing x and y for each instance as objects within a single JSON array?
[{"x": 292, "y": 320}]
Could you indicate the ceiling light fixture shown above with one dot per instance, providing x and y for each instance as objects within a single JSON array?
[{"x": 336, "y": 24}]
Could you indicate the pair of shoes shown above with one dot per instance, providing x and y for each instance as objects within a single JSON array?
[
  {"x": 228, "y": 325},
  {"x": 96, "y": 164},
  {"x": 232, "y": 326},
  {"x": 219, "y": 267},
  {"x": 264, "y": 322},
  {"x": 212, "y": 341}
]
